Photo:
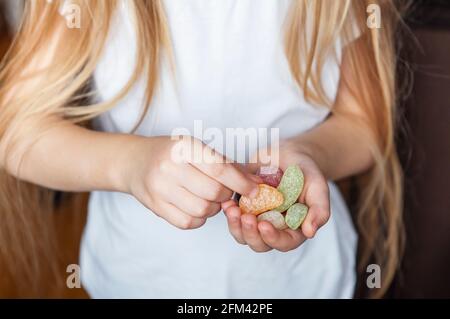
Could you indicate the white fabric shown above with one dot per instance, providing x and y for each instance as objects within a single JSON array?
[{"x": 230, "y": 72}]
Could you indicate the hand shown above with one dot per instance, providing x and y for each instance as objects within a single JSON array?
[
  {"x": 183, "y": 189},
  {"x": 262, "y": 236}
]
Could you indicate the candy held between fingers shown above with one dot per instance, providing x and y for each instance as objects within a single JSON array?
[
  {"x": 295, "y": 215},
  {"x": 275, "y": 218},
  {"x": 291, "y": 186},
  {"x": 267, "y": 199},
  {"x": 270, "y": 175}
]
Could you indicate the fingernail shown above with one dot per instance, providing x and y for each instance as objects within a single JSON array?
[{"x": 256, "y": 179}]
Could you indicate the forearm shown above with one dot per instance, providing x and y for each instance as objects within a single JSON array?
[
  {"x": 71, "y": 158},
  {"x": 339, "y": 146}
]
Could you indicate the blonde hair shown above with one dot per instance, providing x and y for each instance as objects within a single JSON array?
[{"x": 63, "y": 90}]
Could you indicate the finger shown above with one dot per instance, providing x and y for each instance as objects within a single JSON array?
[
  {"x": 251, "y": 234},
  {"x": 230, "y": 203},
  {"x": 178, "y": 218},
  {"x": 282, "y": 240},
  {"x": 252, "y": 168},
  {"x": 200, "y": 184},
  {"x": 319, "y": 206},
  {"x": 226, "y": 173},
  {"x": 191, "y": 204},
  {"x": 255, "y": 178},
  {"x": 233, "y": 214},
  {"x": 250, "y": 171},
  {"x": 317, "y": 217}
]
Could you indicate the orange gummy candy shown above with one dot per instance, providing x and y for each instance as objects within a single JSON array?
[{"x": 267, "y": 199}]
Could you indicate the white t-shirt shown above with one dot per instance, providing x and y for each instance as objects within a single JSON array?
[{"x": 230, "y": 72}]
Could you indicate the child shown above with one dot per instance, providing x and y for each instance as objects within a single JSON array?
[{"x": 312, "y": 70}]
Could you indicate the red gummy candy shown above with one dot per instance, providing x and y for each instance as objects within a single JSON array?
[{"x": 270, "y": 175}]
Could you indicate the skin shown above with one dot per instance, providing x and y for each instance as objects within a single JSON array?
[
  {"x": 187, "y": 193},
  {"x": 335, "y": 149}
]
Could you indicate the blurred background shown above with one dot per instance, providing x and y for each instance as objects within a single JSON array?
[{"x": 424, "y": 147}]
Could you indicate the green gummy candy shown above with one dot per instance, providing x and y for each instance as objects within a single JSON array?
[
  {"x": 295, "y": 215},
  {"x": 291, "y": 186}
]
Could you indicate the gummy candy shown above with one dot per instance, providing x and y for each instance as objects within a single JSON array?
[
  {"x": 267, "y": 199},
  {"x": 270, "y": 175},
  {"x": 291, "y": 187},
  {"x": 295, "y": 215},
  {"x": 275, "y": 218}
]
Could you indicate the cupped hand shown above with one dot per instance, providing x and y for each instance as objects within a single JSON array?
[{"x": 262, "y": 236}]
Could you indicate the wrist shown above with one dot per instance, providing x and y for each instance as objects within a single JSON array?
[
  {"x": 125, "y": 166},
  {"x": 298, "y": 151}
]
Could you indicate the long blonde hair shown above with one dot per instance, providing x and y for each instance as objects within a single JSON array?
[{"x": 312, "y": 31}]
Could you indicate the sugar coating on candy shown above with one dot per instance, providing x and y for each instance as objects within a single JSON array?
[
  {"x": 291, "y": 186},
  {"x": 295, "y": 215},
  {"x": 267, "y": 199},
  {"x": 275, "y": 218},
  {"x": 270, "y": 175}
]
